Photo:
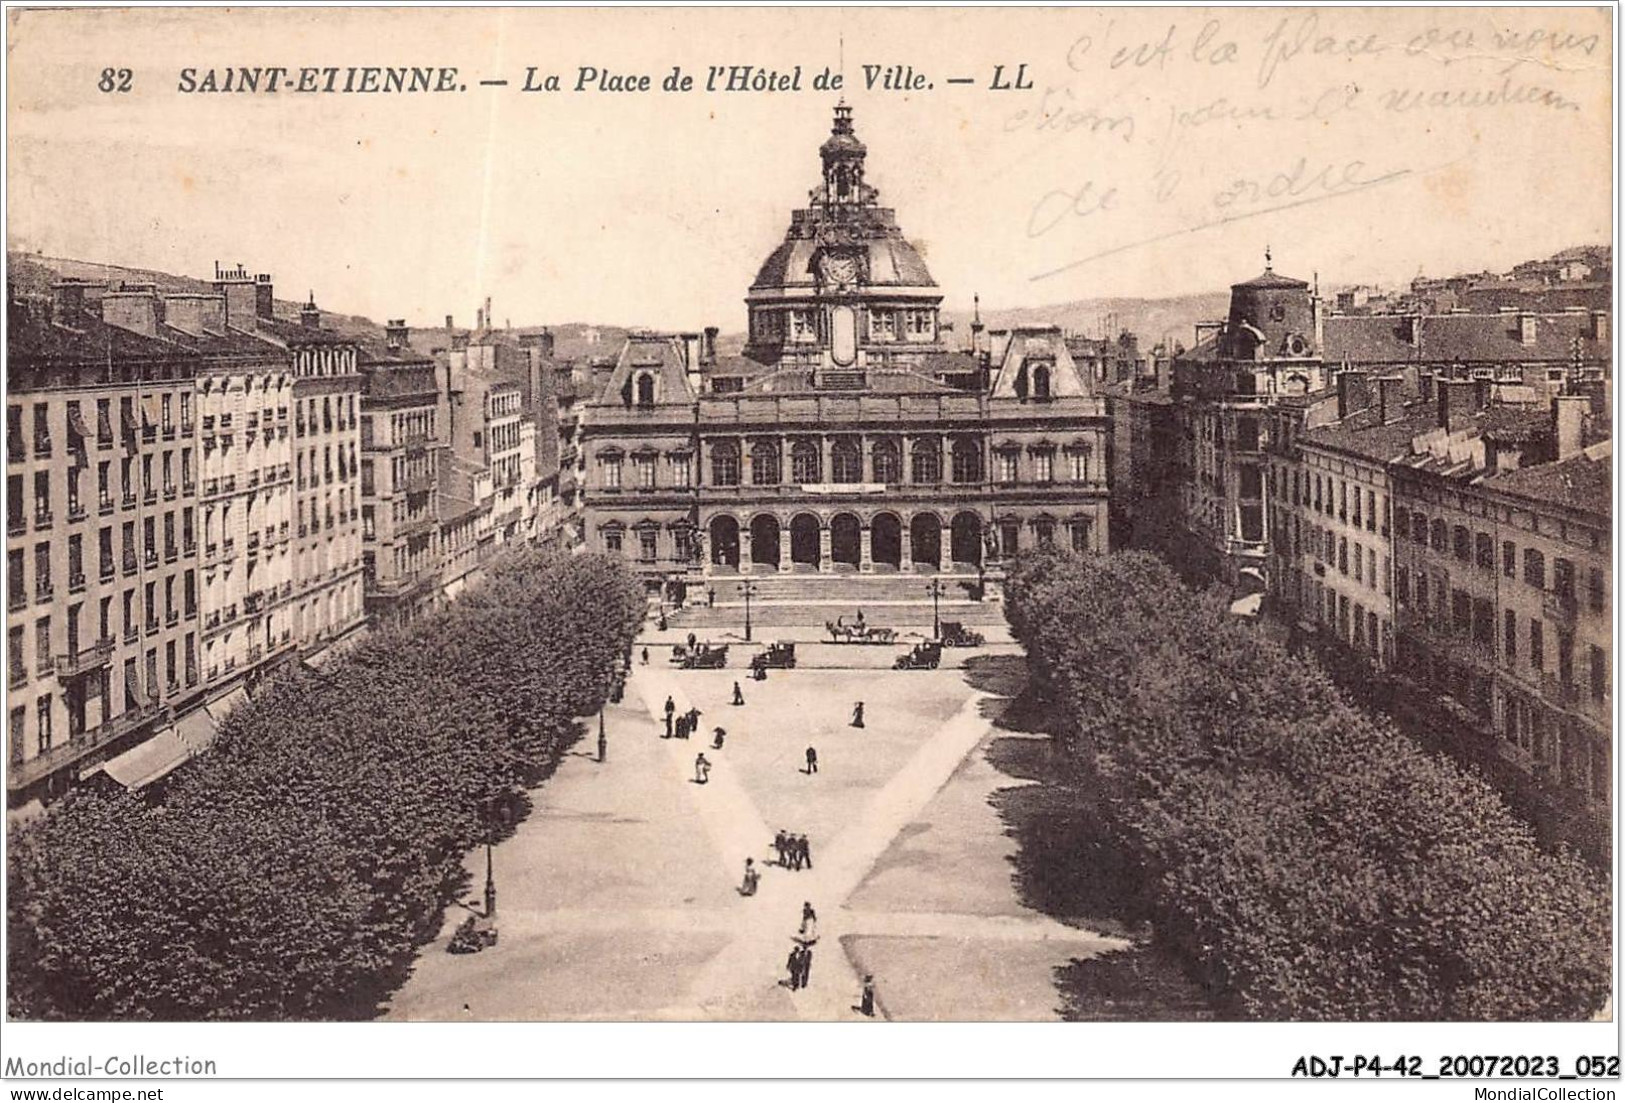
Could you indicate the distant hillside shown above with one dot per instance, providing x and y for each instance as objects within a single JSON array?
[{"x": 1151, "y": 319}]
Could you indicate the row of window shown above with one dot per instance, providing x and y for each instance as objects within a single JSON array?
[
  {"x": 1478, "y": 549},
  {"x": 1334, "y": 497},
  {"x": 132, "y": 624},
  {"x": 157, "y": 415},
  {"x": 846, "y": 464}
]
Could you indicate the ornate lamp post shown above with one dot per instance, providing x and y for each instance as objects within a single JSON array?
[
  {"x": 747, "y": 588},
  {"x": 936, "y": 591},
  {"x": 603, "y": 740}
]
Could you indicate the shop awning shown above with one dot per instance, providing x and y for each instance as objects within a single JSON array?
[{"x": 145, "y": 763}]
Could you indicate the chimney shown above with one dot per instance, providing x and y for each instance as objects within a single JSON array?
[
  {"x": 1599, "y": 325},
  {"x": 264, "y": 300},
  {"x": 309, "y": 315},
  {"x": 544, "y": 341},
  {"x": 479, "y": 320},
  {"x": 396, "y": 333},
  {"x": 1388, "y": 398},
  {"x": 67, "y": 301},
  {"x": 134, "y": 310},
  {"x": 1353, "y": 393},
  {"x": 1458, "y": 402},
  {"x": 1413, "y": 330},
  {"x": 241, "y": 295},
  {"x": 448, "y": 322},
  {"x": 708, "y": 347},
  {"x": 1526, "y": 327},
  {"x": 1568, "y": 421}
]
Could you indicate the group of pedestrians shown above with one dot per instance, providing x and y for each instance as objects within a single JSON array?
[
  {"x": 795, "y": 852},
  {"x": 681, "y": 725}
]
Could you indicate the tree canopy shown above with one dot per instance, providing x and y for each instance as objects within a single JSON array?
[
  {"x": 290, "y": 872},
  {"x": 1309, "y": 860}
]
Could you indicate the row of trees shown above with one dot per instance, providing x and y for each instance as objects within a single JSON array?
[
  {"x": 1306, "y": 859},
  {"x": 291, "y": 872}
]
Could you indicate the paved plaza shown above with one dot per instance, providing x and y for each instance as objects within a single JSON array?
[{"x": 618, "y": 895}]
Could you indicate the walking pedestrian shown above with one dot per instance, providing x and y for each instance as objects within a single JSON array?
[
  {"x": 808, "y": 932},
  {"x": 682, "y": 726},
  {"x": 793, "y": 965},
  {"x": 752, "y": 876},
  {"x": 662, "y": 620},
  {"x": 812, "y": 760},
  {"x": 717, "y": 738},
  {"x": 759, "y": 672},
  {"x": 693, "y": 720},
  {"x": 806, "y": 966},
  {"x": 804, "y": 849},
  {"x": 671, "y": 707},
  {"x": 857, "y": 715},
  {"x": 781, "y": 843},
  {"x": 794, "y": 850},
  {"x": 710, "y": 597},
  {"x": 702, "y": 768},
  {"x": 692, "y": 640},
  {"x": 739, "y": 698},
  {"x": 645, "y": 656},
  {"x": 866, "y": 1004}
]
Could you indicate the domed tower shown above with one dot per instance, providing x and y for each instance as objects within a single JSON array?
[
  {"x": 1272, "y": 317},
  {"x": 844, "y": 295}
]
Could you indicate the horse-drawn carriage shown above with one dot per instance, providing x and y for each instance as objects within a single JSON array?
[
  {"x": 780, "y": 656},
  {"x": 842, "y": 630},
  {"x": 955, "y": 634},
  {"x": 702, "y": 656},
  {"x": 925, "y": 656}
]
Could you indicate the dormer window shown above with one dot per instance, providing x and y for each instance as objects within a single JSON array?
[
  {"x": 646, "y": 389},
  {"x": 1041, "y": 389}
]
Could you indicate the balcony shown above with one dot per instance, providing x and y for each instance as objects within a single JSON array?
[
  {"x": 43, "y": 590},
  {"x": 171, "y": 618},
  {"x": 253, "y": 602},
  {"x": 228, "y": 484},
  {"x": 16, "y": 598},
  {"x": 107, "y": 570},
  {"x": 129, "y": 562},
  {"x": 104, "y": 507},
  {"x": 86, "y": 660},
  {"x": 129, "y": 500},
  {"x": 253, "y": 543},
  {"x": 42, "y": 518},
  {"x": 212, "y": 620},
  {"x": 150, "y": 496},
  {"x": 77, "y": 513},
  {"x": 76, "y": 581},
  {"x": 170, "y": 554},
  {"x": 16, "y": 526},
  {"x": 151, "y": 557},
  {"x": 42, "y": 446},
  {"x": 211, "y": 487},
  {"x": 82, "y": 743},
  {"x": 251, "y": 481},
  {"x": 170, "y": 493},
  {"x": 227, "y": 546}
]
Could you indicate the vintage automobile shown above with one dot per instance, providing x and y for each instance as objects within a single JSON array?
[
  {"x": 955, "y": 634},
  {"x": 780, "y": 656},
  {"x": 706, "y": 657},
  {"x": 472, "y": 935},
  {"x": 925, "y": 656},
  {"x": 842, "y": 630}
]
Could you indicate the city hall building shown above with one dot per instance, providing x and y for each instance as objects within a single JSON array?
[{"x": 849, "y": 436}]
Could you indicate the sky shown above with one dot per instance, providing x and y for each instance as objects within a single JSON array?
[{"x": 1153, "y": 152}]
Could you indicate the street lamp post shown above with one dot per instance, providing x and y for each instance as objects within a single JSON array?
[
  {"x": 603, "y": 740},
  {"x": 748, "y": 589},
  {"x": 490, "y": 878},
  {"x": 936, "y": 591}
]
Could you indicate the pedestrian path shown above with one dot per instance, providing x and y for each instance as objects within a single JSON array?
[{"x": 618, "y": 895}]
